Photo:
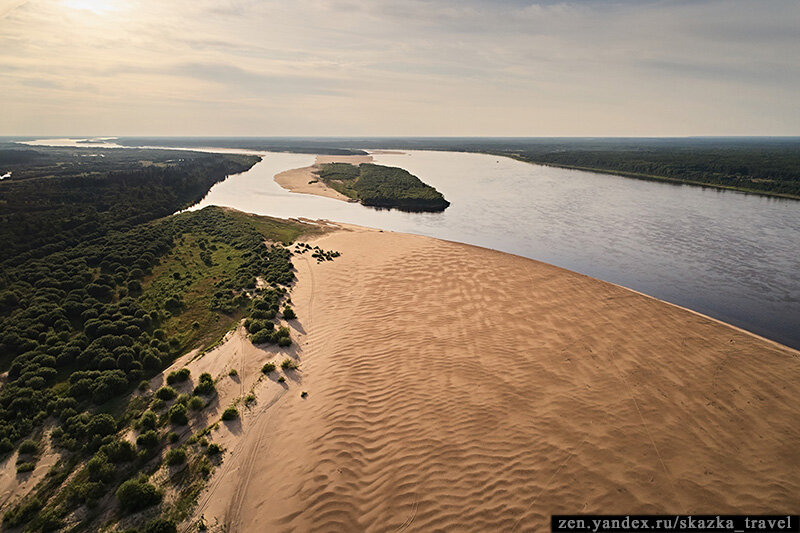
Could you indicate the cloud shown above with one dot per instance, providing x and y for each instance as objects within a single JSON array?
[
  {"x": 471, "y": 67},
  {"x": 7, "y": 6}
]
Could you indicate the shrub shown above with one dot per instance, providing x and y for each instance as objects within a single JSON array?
[
  {"x": 268, "y": 367},
  {"x": 148, "y": 439},
  {"x": 158, "y": 404},
  {"x": 25, "y": 467},
  {"x": 231, "y": 413},
  {"x": 254, "y": 326},
  {"x": 135, "y": 494},
  {"x": 261, "y": 337},
  {"x": 22, "y": 513},
  {"x": 288, "y": 364},
  {"x": 166, "y": 393},
  {"x": 100, "y": 469},
  {"x": 284, "y": 341},
  {"x": 281, "y": 379},
  {"x": 172, "y": 437},
  {"x": 144, "y": 385},
  {"x": 147, "y": 421},
  {"x": 177, "y": 414},
  {"x": 303, "y": 394},
  {"x": 206, "y": 385},
  {"x": 159, "y": 525},
  {"x": 196, "y": 403},
  {"x": 213, "y": 449},
  {"x": 178, "y": 376},
  {"x": 250, "y": 398},
  {"x": 29, "y": 446},
  {"x": 233, "y": 372},
  {"x": 176, "y": 456},
  {"x": 288, "y": 313},
  {"x": 119, "y": 451}
]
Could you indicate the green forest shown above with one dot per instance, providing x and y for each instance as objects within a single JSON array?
[
  {"x": 381, "y": 186},
  {"x": 100, "y": 290}
]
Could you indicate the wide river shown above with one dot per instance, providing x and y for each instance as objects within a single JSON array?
[{"x": 733, "y": 256}]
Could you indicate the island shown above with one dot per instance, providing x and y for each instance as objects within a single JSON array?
[
  {"x": 356, "y": 178},
  {"x": 381, "y": 186}
]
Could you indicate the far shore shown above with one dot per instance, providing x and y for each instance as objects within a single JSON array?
[{"x": 455, "y": 387}]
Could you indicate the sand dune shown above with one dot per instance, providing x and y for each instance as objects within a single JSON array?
[
  {"x": 305, "y": 180},
  {"x": 462, "y": 389}
]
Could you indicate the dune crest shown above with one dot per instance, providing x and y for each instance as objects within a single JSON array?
[{"x": 458, "y": 388}]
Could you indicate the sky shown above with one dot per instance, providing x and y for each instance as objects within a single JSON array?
[{"x": 388, "y": 67}]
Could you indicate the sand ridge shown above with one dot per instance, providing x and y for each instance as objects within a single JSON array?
[
  {"x": 458, "y": 388},
  {"x": 305, "y": 180}
]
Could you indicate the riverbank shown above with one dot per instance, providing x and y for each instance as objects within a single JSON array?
[
  {"x": 648, "y": 177},
  {"x": 456, "y": 387},
  {"x": 306, "y": 181}
]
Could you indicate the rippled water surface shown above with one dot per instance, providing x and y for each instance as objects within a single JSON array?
[{"x": 733, "y": 256}]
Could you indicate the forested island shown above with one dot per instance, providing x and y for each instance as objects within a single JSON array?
[
  {"x": 382, "y": 186},
  {"x": 99, "y": 293}
]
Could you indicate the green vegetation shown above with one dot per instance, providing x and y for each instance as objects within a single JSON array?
[
  {"x": 176, "y": 456},
  {"x": 178, "y": 376},
  {"x": 288, "y": 364},
  {"x": 380, "y": 186},
  {"x": 206, "y": 385},
  {"x": 268, "y": 367},
  {"x": 98, "y": 293},
  {"x": 136, "y": 494},
  {"x": 231, "y": 413}
]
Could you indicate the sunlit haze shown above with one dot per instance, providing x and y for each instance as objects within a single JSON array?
[{"x": 339, "y": 67}]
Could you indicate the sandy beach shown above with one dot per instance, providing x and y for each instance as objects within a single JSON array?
[
  {"x": 458, "y": 388},
  {"x": 305, "y": 180}
]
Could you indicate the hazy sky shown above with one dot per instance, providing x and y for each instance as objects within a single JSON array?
[{"x": 407, "y": 67}]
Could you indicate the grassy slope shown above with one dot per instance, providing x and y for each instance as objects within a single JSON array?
[{"x": 184, "y": 272}]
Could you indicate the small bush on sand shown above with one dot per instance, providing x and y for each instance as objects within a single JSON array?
[
  {"x": 135, "y": 494},
  {"x": 268, "y": 367},
  {"x": 29, "y": 446},
  {"x": 206, "y": 385},
  {"x": 25, "y": 467},
  {"x": 166, "y": 393},
  {"x": 231, "y": 413},
  {"x": 196, "y": 403},
  {"x": 288, "y": 364},
  {"x": 288, "y": 313},
  {"x": 176, "y": 456},
  {"x": 177, "y": 415},
  {"x": 213, "y": 449},
  {"x": 178, "y": 376}
]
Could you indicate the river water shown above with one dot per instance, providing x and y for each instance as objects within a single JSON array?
[{"x": 733, "y": 256}]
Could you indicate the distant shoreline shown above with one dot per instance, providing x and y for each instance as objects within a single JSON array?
[{"x": 647, "y": 177}]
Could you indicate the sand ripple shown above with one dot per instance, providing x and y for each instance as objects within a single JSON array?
[{"x": 457, "y": 388}]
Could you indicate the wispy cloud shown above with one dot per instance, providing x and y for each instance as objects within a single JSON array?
[{"x": 472, "y": 67}]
